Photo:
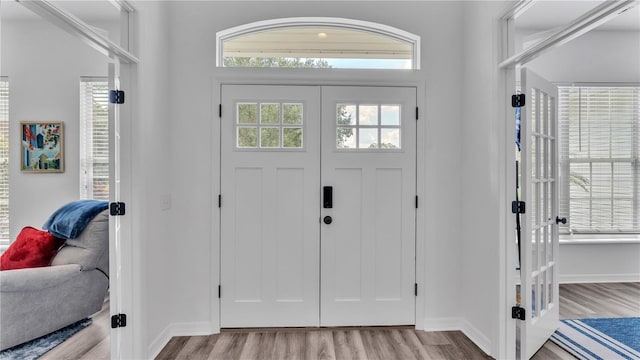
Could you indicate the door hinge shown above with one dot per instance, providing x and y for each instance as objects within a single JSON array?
[
  {"x": 517, "y": 100},
  {"x": 219, "y": 200},
  {"x": 118, "y": 320},
  {"x": 116, "y": 209},
  {"x": 417, "y": 112},
  {"x": 220, "y": 110},
  {"x": 219, "y": 292},
  {"x": 517, "y": 312},
  {"x": 518, "y": 207},
  {"x": 416, "y": 201},
  {"x": 116, "y": 96},
  {"x": 415, "y": 289}
]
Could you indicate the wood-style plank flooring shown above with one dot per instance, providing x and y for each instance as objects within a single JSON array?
[
  {"x": 576, "y": 301},
  {"x": 580, "y": 301},
  {"x": 90, "y": 343},
  {"x": 379, "y": 343}
]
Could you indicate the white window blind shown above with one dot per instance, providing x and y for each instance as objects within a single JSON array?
[
  {"x": 94, "y": 139},
  {"x": 599, "y": 159},
  {"x": 4, "y": 162}
]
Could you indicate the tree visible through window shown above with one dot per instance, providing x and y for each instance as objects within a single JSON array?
[
  {"x": 94, "y": 139},
  {"x": 600, "y": 158},
  {"x": 318, "y": 43}
]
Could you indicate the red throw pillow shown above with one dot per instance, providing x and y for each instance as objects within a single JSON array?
[{"x": 32, "y": 248}]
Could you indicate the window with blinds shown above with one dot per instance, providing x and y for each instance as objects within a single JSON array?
[
  {"x": 94, "y": 139},
  {"x": 599, "y": 159},
  {"x": 4, "y": 162}
]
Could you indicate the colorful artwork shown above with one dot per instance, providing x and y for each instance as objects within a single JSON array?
[{"x": 42, "y": 146}]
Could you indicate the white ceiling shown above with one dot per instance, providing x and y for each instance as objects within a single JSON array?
[
  {"x": 318, "y": 42},
  {"x": 543, "y": 15},
  {"x": 546, "y": 15}
]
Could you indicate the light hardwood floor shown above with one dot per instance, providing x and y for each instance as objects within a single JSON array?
[
  {"x": 576, "y": 301},
  {"x": 90, "y": 343},
  {"x": 580, "y": 301},
  {"x": 383, "y": 343}
]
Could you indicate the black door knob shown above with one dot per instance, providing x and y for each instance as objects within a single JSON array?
[
  {"x": 327, "y": 220},
  {"x": 561, "y": 220}
]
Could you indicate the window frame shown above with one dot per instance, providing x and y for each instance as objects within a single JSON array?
[
  {"x": 259, "y": 125},
  {"x": 5, "y": 236},
  {"x": 357, "y": 126},
  {"x": 87, "y": 141},
  {"x": 567, "y": 235},
  {"x": 331, "y": 22}
]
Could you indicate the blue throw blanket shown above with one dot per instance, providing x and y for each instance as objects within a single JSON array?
[{"x": 69, "y": 221}]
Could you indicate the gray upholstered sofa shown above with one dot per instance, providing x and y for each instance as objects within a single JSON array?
[{"x": 35, "y": 302}]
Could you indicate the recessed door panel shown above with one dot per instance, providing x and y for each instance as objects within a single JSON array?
[
  {"x": 368, "y": 251},
  {"x": 270, "y": 194}
]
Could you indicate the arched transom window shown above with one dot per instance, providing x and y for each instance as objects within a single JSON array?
[{"x": 318, "y": 43}]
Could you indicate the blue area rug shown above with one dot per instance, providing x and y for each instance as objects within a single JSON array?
[
  {"x": 600, "y": 339},
  {"x": 35, "y": 348}
]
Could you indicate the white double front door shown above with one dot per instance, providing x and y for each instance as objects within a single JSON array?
[{"x": 318, "y": 189}]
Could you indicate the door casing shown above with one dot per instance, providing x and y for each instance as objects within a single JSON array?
[{"x": 424, "y": 214}]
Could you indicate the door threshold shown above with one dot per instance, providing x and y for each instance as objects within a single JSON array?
[{"x": 314, "y": 328}]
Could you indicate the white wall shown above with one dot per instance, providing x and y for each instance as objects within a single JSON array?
[
  {"x": 483, "y": 207},
  {"x": 598, "y": 56},
  {"x": 599, "y": 262},
  {"x": 154, "y": 247},
  {"x": 44, "y": 65},
  {"x": 194, "y": 118}
]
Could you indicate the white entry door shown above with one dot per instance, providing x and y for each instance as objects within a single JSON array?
[
  {"x": 368, "y": 238},
  {"x": 277, "y": 224},
  {"x": 270, "y": 206},
  {"x": 539, "y": 267}
]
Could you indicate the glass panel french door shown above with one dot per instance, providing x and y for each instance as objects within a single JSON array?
[{"x": 539, "y": 267}]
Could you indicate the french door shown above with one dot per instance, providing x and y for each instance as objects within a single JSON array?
[
  {"x": 317, "y": 232},
  {"x": 539, "y": 267}
]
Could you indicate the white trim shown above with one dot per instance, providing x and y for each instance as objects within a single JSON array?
[
  {"x": 585, "y": 23},
  {"x": 478, "y": 338},
  {"x": 598, "y": 278},
  {"x": 178, "y": 329},
  {"x": 599, "y": 241},
  {"x": 441, "y": 324},
  {"x": 341, "y": 23},
  {"x": 506, "y": 327},
  {"x": 75, "y": 26},
  {"x": 459, "y": 324},
  {"x": 323, "y": 77}
]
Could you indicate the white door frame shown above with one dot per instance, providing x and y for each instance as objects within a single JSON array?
[
  {"x": 322, "y": 77},
  {"x": 506, "y": 346},
  {"x": 127, "y": 343}
]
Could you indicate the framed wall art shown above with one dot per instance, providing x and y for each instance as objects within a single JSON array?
[{"x": 42, "y": 146}]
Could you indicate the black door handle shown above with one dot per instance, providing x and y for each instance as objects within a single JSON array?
[
  {"x": 327, "y": 220},
  {"x": 327, "y": 197},
  {"x": 561, "y": 220}
]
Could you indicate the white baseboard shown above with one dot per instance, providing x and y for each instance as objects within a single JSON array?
[
  {"x": 178, "y": 329},
  {"x": 475, "y": 335},
  {"x": 442, "y": 324},
  {"x": 459, "y": 324},
  {"x": 598, "y": 278}
]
